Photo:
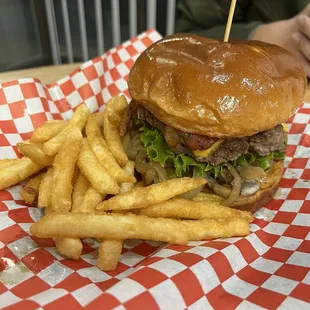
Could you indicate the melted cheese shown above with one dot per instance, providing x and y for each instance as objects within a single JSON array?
[
  {"x": 210, "y": 150},
  {"x": 285, "y": 128}
]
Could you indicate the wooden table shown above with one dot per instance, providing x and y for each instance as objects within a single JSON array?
[
  {"x": 53, "y": 73},
  {"x": 46, "y": 75}
]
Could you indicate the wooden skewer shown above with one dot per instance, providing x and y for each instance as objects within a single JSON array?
[{"x": 229, "y": 20}]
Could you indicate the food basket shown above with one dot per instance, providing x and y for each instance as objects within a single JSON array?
[{"x": 269, "y": 269}]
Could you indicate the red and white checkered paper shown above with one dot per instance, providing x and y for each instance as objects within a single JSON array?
[{"x": 268, "y": 269}]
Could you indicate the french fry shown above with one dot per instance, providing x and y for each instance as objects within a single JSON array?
[
  {"x": 96, "y": 174},
  {"x": 35, "y": 152},
  {"x": 119, "y": 227},
  {"x": 18, "y": 172},
  {"x": 8, "y": 162},
  {"x": 112, "y": 115},
  {"x": 208, "y": 197},
  {"x": 219, "y": 228},
  {"x": 72, "y": 247},
  {"x": 110, "y": 250},
  {"x": 103, "y": 154},
  {"x": 118, "y": 109},
  {"x": 52, "y": 146},
  {"x": 91, "y": 199},
  {"x": 45, "y": 189},
  {"x": 130, "y": 169},
  {"x": 109, "y": 253},
  {"x": 75, "y": 174},
  {"x": 30, "y": 192},
  {"x": 179, "y": 208},
  {"x": 92, "y": 129},
  {"x": 115, "y": 108},
  {"x": 78, "y": 120},
  {"x": 141, "y": 197},
  {"x": 80, "y": 117},
  {"x": 63, "y": 165},
  {"x": 69, "y": 247},
  {"x": 98, "y": 118},
  {"x": 47, "y": 131},
  {"x": 80, "y": 188}
]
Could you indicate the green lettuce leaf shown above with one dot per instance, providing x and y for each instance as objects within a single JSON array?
[
  {"x": 181, "y": 165},
  {"x": 155, "y": 145},
  {"x": 278, "y": 155},
  {"x": 241, "y": 161},
  {"x": 263, "y": 161},
  {"x": 250, "y": 158}
]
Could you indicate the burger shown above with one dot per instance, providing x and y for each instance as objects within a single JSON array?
[{"x": 205, "y": 108}]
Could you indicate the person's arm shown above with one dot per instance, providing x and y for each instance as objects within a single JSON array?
[{"x": 208, "y": 18}]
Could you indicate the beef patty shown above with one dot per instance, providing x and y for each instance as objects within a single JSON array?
[
  {"x": 262, "y": 143},
  {"x": 268, "y": 141}
]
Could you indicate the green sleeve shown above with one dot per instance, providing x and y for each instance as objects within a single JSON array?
[
  {"x": 209, "y": 17},
  {"x": 238, "y": 31}
]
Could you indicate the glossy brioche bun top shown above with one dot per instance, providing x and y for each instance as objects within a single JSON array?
[{"x": 207, "y": 87}]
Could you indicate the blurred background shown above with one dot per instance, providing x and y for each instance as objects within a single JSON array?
[{"x": 45, "y": 32}]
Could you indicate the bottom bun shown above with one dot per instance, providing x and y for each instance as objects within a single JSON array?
[{"x": 263, "y": 196}]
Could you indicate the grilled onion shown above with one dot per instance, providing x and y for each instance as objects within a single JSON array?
[
  {"x": 193, "y": 193},
  {"x": 236, "y": 186},
  {"x": 249, "y": 172}
]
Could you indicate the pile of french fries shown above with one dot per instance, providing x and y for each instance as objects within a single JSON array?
[{"x": 78, "y": 171}]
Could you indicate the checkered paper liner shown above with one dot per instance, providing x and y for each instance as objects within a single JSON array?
[{"x": 270, "y": 268}]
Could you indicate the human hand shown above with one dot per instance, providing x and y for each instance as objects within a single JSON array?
[{"x": 292, "y": 34}]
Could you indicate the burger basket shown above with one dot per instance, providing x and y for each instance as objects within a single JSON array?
[{"x": 268, "y": 269}]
